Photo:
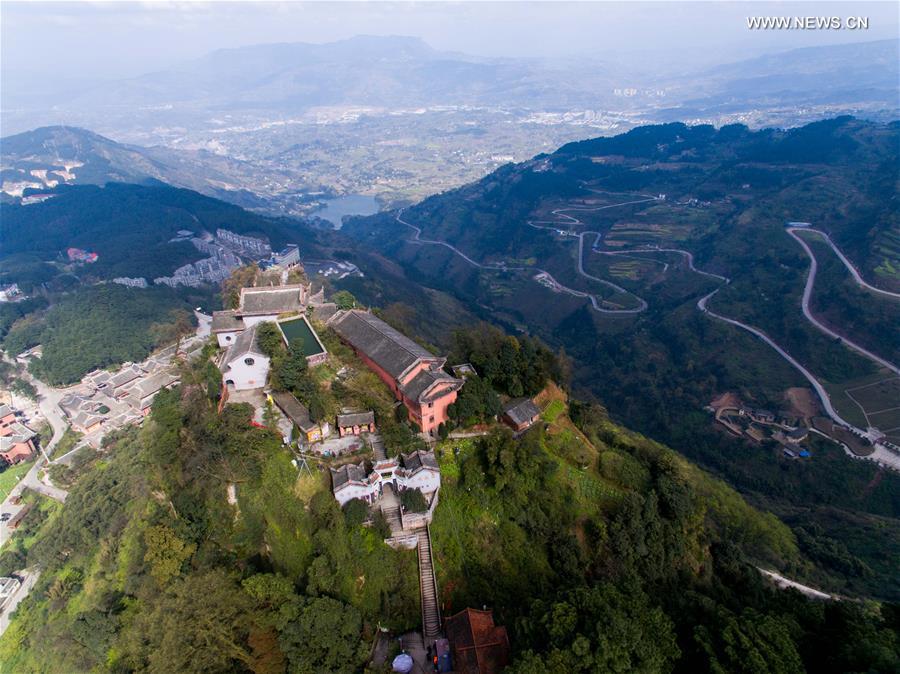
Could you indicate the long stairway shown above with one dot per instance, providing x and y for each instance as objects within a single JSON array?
[{"x": 431, "y": 615}]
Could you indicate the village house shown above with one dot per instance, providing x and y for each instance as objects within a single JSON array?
[
  {"x": 520, "y": 414},
  {"x": 356, "y": 423},
  {"x": 257, "y": 305},
  {"x": 7, "y": 418},
  {"x": 244, "y": 366},
  {"x": 417, "y": 470},
  {"x": 311, "y": 431},
  {"x": 19, "y": 445},
  {"x": 17, "y": 441},
  {"x": 796, "y": 435},
  {"x": 140, "y": 394},
  {"x": 477, "y": 646},
  {"x": 414, "y": 375},
  {"x": 10, "y": 293},
  {"x": 86, "y": 411}
]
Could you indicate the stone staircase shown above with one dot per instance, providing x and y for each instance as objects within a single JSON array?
[{"x": 431, "y": 614}]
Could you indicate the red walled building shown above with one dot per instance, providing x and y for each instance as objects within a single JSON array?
[{"x": 414, "y": 374}]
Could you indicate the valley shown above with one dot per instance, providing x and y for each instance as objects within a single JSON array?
[{"x": 469, "y": 337}]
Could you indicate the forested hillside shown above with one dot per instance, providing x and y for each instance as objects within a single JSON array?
[
  {"x": 664, "y": 215},
  {"x": 98, "y": 327},
  {"x": 128, "y": 226},
  {"x": 598, "y": 549}
]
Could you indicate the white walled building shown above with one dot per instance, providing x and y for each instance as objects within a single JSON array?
[
  {"x": 256, "y": 306},
  {"x": 418, "y": 470},
  {"x": 244, "y": 366}
]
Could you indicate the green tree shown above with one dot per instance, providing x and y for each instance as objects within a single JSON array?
[
  {"x": 293, "y": 370},
  {"x": 199, "y": 624},
  {"x": 268, "y": 336},
  {"x": 344, "y": 299},
  {"x": 166, "y": 553},
  {"x": 355, "y": 512},
  {"x": 23, "y": 388},
  {"x": 322, "y": 635},
  {"x": 413, "y": 501}
]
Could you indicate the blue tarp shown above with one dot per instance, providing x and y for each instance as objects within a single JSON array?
[{"x": 402, "y": 663}]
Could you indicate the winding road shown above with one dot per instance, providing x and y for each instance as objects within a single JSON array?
[
  {"x": 808, "y": 289},
  {"x": 881, "y": 456}
]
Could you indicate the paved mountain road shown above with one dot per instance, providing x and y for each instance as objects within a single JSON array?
[
  {"x": 882, "y": 456},
  {"x": 807, "y": 294}
]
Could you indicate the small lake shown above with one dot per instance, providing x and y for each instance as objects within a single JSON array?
[{"x": 334, "y": 210}]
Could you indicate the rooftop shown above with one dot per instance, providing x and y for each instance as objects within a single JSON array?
[
  {"x": 226, "y": 321},
  {"x": 274, "y": 300},
  {"x": 521, "y": 411},
  {"x": 350, "y": 472},
  {"x": 478, "y": 645},
  {"x": 418, "y": 387},
  {"x": 245, "y": 343},
  {"x": 419, "y": 459},
  {"x": 295, "y": 410},
  {"x": 356, "y": 419},
  {"x": 391, "y": 350}
]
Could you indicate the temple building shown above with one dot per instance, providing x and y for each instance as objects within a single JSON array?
[
  {"x": 417, "y": 470},
  {"x": 311, "y": 431},
  {"x": 414, "y": 374},
  {"x": 356, "y": 423},
  {"x": 257, "y": 305},
  {"x": 244, "y": 365},
  {"x": 17, "y": 441}
]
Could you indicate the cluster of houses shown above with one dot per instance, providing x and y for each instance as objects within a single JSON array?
[
  {"x": 115, "y": 399},
  {"x": 415, "y": 376},
  {"x": 9, "y": 292},
  {"x": 17, "y": 441},
  {"x": 760, "y": 424}
]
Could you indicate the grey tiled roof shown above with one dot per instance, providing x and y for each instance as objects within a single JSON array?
[
  {"x": 295, "y": 410},
  {"x": 391, "y": 350},
  {"x": 153, "y": 384},
  {"x": 244, "y": 344},
  {"x": 275, "y": 300},
  {"x": 356, "y": 419},
  {"x": 5, "y": 410},
  {"x": 419, "y": 385},
  {"x": 20, "y": 432},
  {"x": 125, "y": 376},
  {"x": 226, "y": 321},
  {"x": 521, "y": 411},
  {"x": 350, "y": 472},
  {"x": 419, "y": 459}
]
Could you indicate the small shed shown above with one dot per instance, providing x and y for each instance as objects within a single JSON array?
[
  {"x": 298, "y": 413},
  {"x": 521, "y": 413},
  {"x": 356, "y": 423}
]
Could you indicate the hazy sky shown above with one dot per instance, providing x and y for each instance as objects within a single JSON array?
[{"x": 110, "y": 40}]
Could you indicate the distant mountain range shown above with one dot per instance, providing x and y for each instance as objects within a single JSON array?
[
  {"x": 279, "y": 127},
  {"x": 404, "y": 72}
]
